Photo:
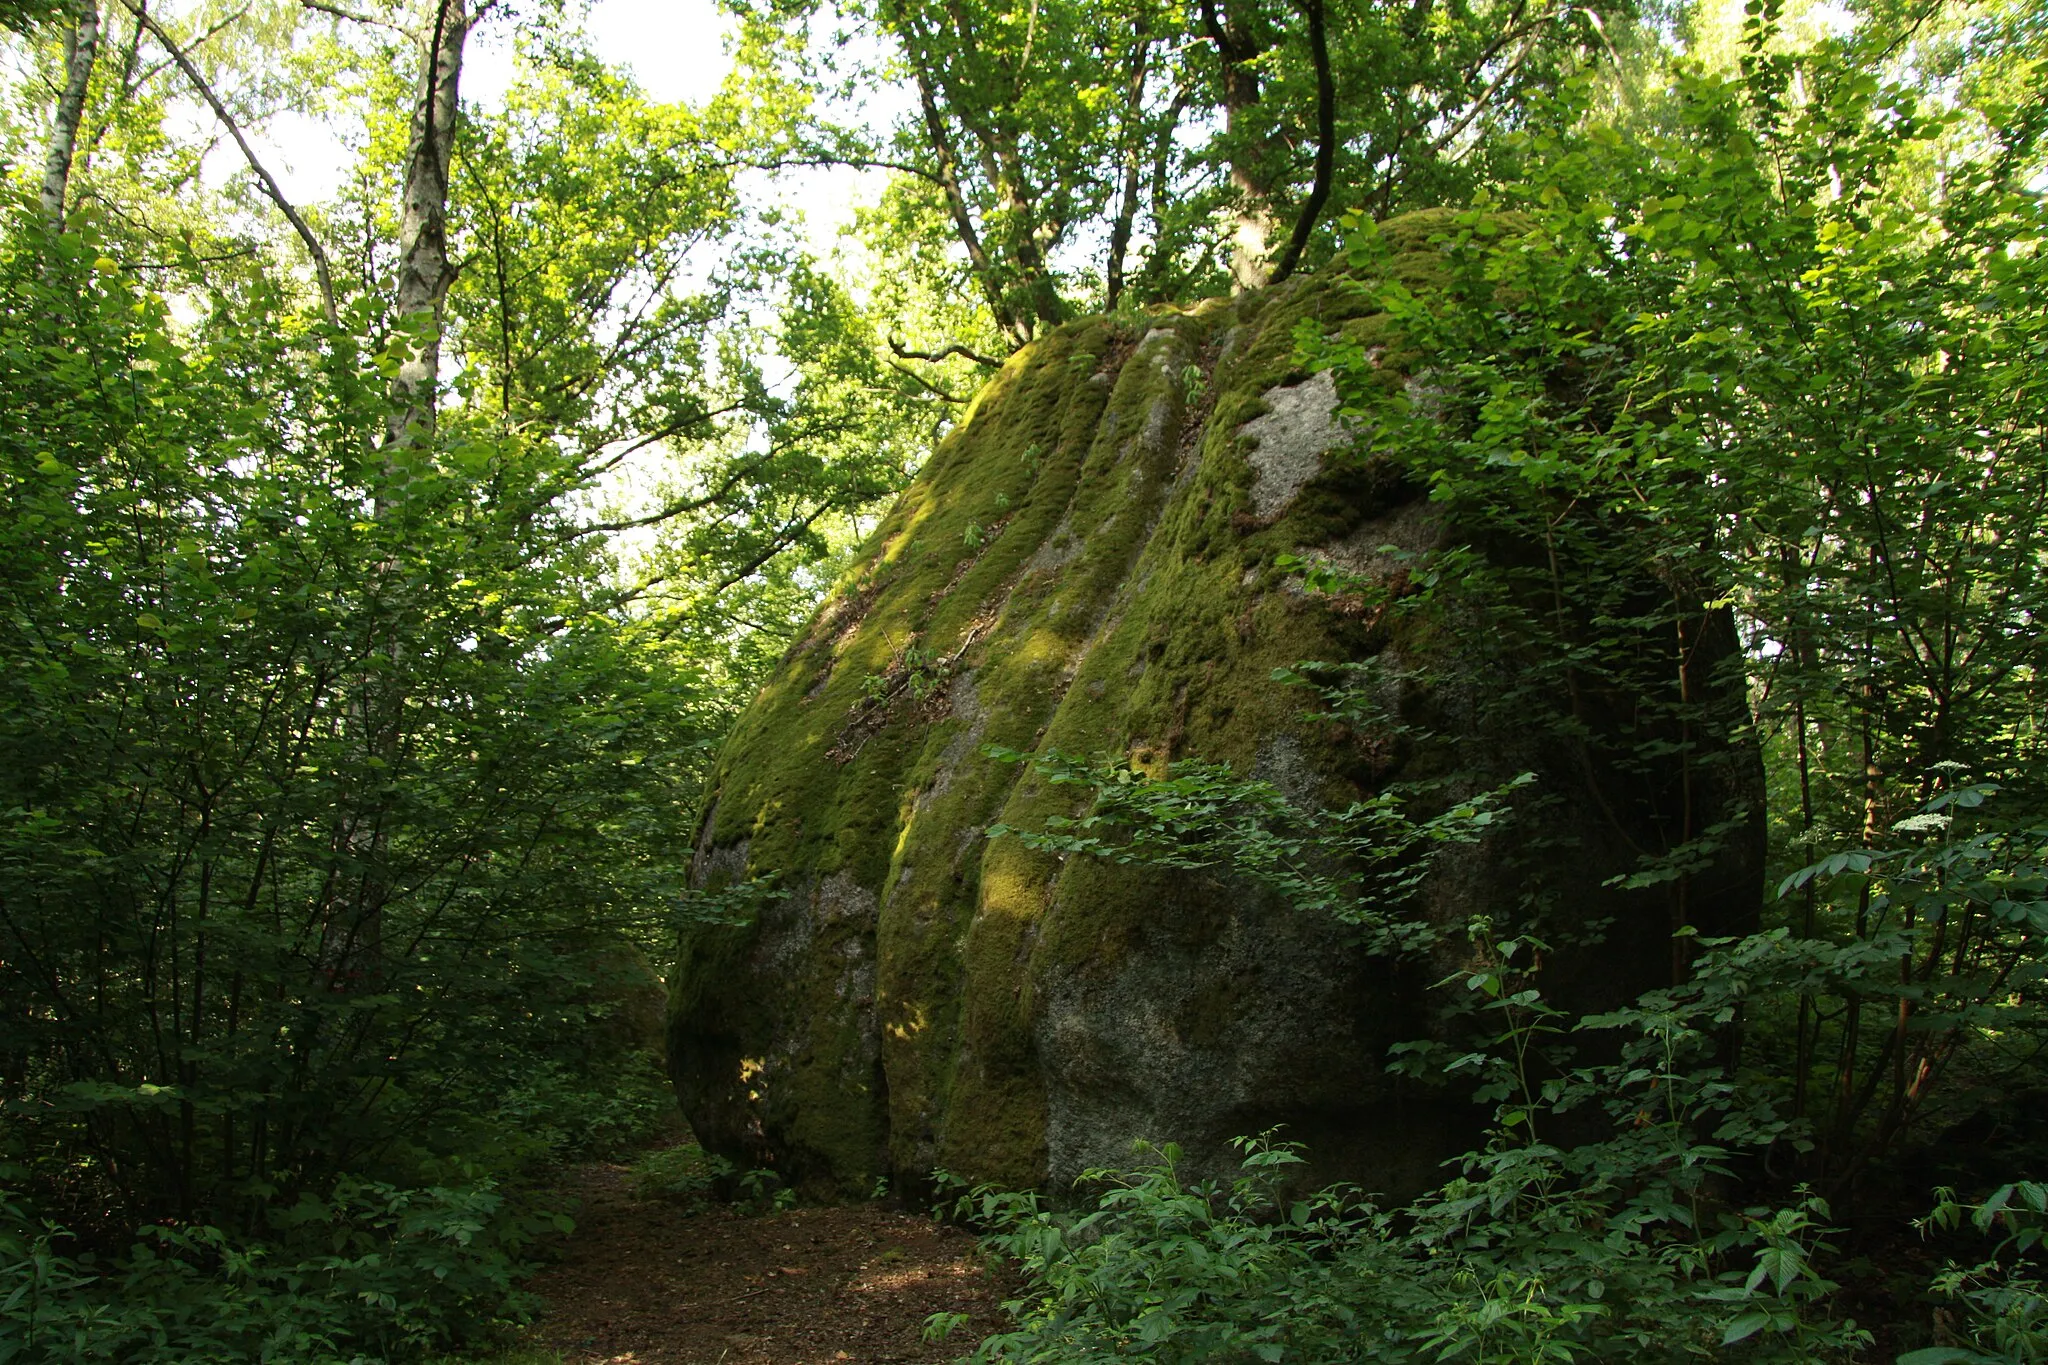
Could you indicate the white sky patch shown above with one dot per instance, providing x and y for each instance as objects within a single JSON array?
[
  {"x": 1717, "y": 28},
  {"x": 675, "y": 48},
  {"x": 676, "y": 52},
  {"x": 309, "y": 157}
]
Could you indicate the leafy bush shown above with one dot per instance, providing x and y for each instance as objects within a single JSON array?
[
  {"x": 371, "y": 1273},
  {"x": 1624, "y": 1248},
  {"x": 2004, "y": 1301},
  {"x": 1550, "y": 1244},
  {"x": 1359, "y": 864},
  {"x": 1175, "y": 1272},
  {"x": 692, "y": 1176},
  {"x": 612, "y": 1105},
  {"x": 686, "y": 1173},
  {"x": 1749, "y": 340},
  {"x": 334, "y": 790}
]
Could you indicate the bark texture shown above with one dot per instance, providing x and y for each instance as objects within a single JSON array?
[
  {"x": 81, "y": 46},
  {"x": 424, "y": 270}
]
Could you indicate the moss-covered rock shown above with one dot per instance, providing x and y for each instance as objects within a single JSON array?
[{"x": 1086, "y": 564}]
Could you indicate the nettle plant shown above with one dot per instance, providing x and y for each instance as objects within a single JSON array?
[
  {"x": 1750, "y": 346},
  {"x": 1547, "y": 1244},
  {"x": 1612, "y": 1210}
]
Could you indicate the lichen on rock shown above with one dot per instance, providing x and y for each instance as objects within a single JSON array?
[
  {"x": 1087, "y": 564},
  {"x": 1288, "y": 443}
]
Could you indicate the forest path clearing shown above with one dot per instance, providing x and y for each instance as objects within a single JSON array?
[{"x": 646, "y": 1281}]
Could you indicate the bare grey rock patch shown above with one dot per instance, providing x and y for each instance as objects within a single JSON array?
[{"x": 1291, "y": 439}]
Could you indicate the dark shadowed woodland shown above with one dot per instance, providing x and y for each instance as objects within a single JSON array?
[{"x": 1239, "y": 681}]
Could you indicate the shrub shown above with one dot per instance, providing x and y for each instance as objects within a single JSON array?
[{"x": 370, "y": 1273}]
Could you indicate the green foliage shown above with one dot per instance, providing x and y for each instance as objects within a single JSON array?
[
  {"x": 339, "y": 778},
  {"x": 1171, "y": 1272},
  {"x": 24, "y": 16},
  {"x": 1751, "y": 345},
  {"x": 689, "y": 1175},
  {"x": 710, "y": 387},
  {"x": 371, "y": 1272},
  {"x": 347, "y": 778},
  {"x": 762, "y": 1191},
  {"x": 685, "y": 1173},
  {"x": 1064, "y": 157},
  {"x": 1608, "y": 1251},
  {"x": 335, "y": 795},
  {"x": 588, "y": 1107},
  {"x": 1746, "y": 347},
  {"x": 2003, "y": 1297},
  {"x": 1358, "y": 863}
]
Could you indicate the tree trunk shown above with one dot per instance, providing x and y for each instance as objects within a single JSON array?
[
  {"x": 1237, "y": 47},
  {"x": 1015, "y": 329},
  {"x": 352, "y": 951},
  {"x": 1326, "y": 145},
  {"x": 424, "y": 271},
  {"x": 1134, "y": 163},
  {"x": 81, "y": 45}
]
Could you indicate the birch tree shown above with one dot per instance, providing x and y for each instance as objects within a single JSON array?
[{"x": 81, "y": 45}]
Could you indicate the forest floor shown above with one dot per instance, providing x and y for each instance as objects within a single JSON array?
[{"x": 646, "y": 1280}]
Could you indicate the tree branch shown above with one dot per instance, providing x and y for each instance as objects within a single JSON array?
[
  {"x": 1326, "y": 145},
  {"x": 862, "y": 163},
  {"x": 963, "y": 220},
  {"x": 1478, "y": 106},
  {"x": 933, "y": 389},
  {"x": 951, "y": 348},
  {"x": 786, "y": 537},
  {"x": 1133, "y": 131},
  {"x": 271, "y": 189},
  {"x": 135, "y": 82},
  {"x": 734, "y": 477},
  {"x": 354, "y": 17}
]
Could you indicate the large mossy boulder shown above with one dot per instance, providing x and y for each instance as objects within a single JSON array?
[{"x": 1087, "y": 564}]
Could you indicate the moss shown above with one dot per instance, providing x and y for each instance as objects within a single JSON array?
[{"x": 1076, "y": 568}]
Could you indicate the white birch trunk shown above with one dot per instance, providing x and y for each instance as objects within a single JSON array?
[
  {"x": 81, "y": 45},
  {"x": 424, "y": 271}
]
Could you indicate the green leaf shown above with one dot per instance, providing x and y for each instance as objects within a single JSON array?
[{"x": 1745, "y": 1327}]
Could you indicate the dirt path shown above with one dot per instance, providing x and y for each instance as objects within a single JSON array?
[{"x": 649, "y": 1282}]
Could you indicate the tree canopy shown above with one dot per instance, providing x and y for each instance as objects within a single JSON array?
[{"x": 381, "y": 570}]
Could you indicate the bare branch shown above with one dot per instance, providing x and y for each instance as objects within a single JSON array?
[
  {"x": 951, "y": 348},
  {"x": 269, "y": 182},
  {"x": 134, "y": 82},
  {"x": 597, "y": 469},
  {"x": 356, "y": 17},
  {"x": 859, "y": 163},
  {"x": 682, "y": 507},
  {"x": 933, "y": 389}
]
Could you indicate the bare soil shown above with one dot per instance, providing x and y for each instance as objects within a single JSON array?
[{"x": 644, "y": 1281}]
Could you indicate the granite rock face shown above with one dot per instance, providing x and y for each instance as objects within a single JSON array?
[{"x": 1087, "y": 564}]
